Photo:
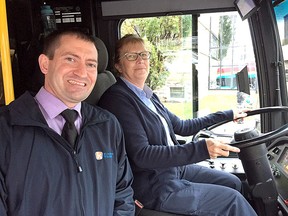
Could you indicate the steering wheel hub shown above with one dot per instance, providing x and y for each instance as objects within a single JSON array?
[{"x": 246, "y": 133}]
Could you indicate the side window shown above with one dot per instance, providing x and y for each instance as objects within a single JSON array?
[
  {"x": 281, "y": 12},
  {"x": 195, "y": 61}
]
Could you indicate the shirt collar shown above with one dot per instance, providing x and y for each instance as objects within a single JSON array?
[
  {"x": 146, "y": 91},
  {"x": 52, "y": 105}
]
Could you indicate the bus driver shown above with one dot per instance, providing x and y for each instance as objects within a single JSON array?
[{"x": 165, "y": 177}]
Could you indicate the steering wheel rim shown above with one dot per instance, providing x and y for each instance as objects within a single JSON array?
[{"x": 263, "y": 137}]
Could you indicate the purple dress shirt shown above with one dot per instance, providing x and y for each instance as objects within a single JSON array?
[{"x": 51, "y": 108}]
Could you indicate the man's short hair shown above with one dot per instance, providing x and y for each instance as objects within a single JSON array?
[{"x": 52, "y": 40}]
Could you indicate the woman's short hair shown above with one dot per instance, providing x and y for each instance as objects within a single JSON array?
[{"x": 126, "y": 39}]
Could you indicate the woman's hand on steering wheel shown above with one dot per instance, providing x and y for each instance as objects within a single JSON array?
[{"x": 240, "y": 114}]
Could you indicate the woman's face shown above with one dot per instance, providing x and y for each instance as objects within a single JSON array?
[{"x": 135, "y": 71}]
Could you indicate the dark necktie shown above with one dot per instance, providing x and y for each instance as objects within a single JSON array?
[{"x": 69, "y": 131}]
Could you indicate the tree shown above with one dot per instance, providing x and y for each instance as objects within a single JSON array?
[
  {"x": 224, "y": 35},
  {"x": 158, "y": 73}
]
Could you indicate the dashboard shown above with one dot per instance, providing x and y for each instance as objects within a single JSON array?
[{"x": 278, "y": 160}]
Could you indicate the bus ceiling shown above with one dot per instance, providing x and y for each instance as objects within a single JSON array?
[{"x": 128, "y": 8}]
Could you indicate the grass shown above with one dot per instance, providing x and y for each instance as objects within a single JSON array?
[
  {"x": 210, "y": 103},
  {"x": 182, "y": 110},
  {"x": 213, "y": 102}
]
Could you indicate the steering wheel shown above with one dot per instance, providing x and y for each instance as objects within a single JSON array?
[{"x": 251, "y": 141}]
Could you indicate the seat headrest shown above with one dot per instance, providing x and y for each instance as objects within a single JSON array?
[
  {"x": 105, "y": 78},
  {"x": 102, "y": 55}
]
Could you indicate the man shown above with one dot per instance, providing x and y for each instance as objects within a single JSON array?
[{"x": 43, "y": 173}]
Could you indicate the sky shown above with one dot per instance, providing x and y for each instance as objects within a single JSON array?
[{"x": 281, "y": 11}]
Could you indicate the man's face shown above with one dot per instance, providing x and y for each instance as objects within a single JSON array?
[{"x": 72, "y": 73}]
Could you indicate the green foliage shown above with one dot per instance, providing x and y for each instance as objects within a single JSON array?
[
  {"x": 154, "y": 29},
  {"x": 187, "y": 26},
  {"x": 225, "y": 35},
  {"x": 158, "y": 74}
]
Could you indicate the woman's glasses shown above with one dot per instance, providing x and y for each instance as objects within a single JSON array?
[{"x": 134, "y": 56}]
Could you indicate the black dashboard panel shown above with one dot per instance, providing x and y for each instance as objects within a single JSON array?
[{"x": 278, "y": 158}]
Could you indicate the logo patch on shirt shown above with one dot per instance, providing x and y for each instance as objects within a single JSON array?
[
  {"x": 99, "y": 155},
  {"x": 103, "y": 155}
]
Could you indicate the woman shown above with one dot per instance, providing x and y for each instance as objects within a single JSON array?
[{"x": 165, "y": 177}]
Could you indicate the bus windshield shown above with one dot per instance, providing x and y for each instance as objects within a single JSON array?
[{"x": 200, "y": 57}]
